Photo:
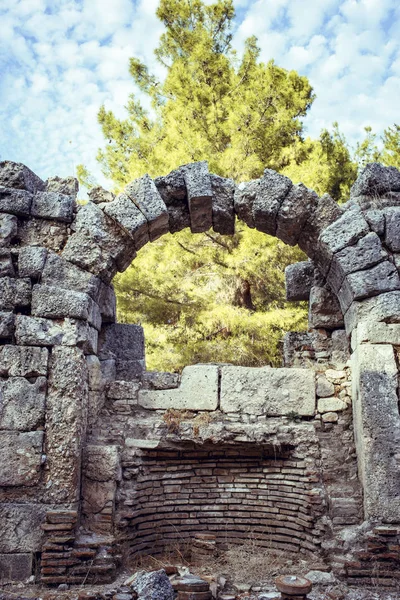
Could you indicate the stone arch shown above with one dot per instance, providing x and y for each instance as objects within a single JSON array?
[{"x": 58, "y": 258}]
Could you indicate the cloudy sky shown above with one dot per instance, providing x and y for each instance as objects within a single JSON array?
[{"x": 61, "y": 59}]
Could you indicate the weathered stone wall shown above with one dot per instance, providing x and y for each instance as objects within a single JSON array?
[{"x": 74, "y": 396}]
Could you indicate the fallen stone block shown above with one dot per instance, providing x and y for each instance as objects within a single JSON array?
[
  {"x": 22, "y": 404},
  {"x": 145, "y": 195},
  {"x": 198, "y": 391},
  {"x": 223, "y": 212},
  {"x": 298, "y": 280},
  {"x": 98, "y": 195},
  {"x": 199, "y": 195},
  {"x": 15, "y": 202},
  {"x": 31, "y": 260},
  {"x": 266, "y": 391},
  {"x": 21, "y": 456},
  {"x": 23, "y": 361},
  {"x": 52, "y": 205},
  {"x": 153, "y": 586},
  {"x": 17, "y": 175},
  {"x": 371, "y": 282}
]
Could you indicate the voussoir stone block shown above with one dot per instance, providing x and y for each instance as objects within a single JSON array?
[
  {"x": 272, "y": 191},
  {"x": 392, "y": 229},
  {"x": 31, "y": 260},
  {"x": 15, "y": 202},
  {"x": 375, "y": 179},
  {"x": 128, "y": 216},
  {"x": 23, "y": 361},
  {"x": 17, "y": 175},
  {"x": 36, "y": 331},
  {"x": 172, "y": 189},
  {"x": 244, "y": 198},
  {"x": 8, "y": 229},
  {"x": 198, "y": 391},
  {"x": 55, "y": 302},
  {"x": 266, "y": 391},
  {"x": 223, "y": 212},
  {"x": 298, "y": 280},
  {"x": 21, "y": 456},
  {"x": 14, "y": 293},
  {"x": 52, "y": 205},
  {"x": 61, "y": 273},
  {"x": 199, "y": 194},
  {"x": 366, "y": 253},
  {"x": 326, "y": 212},
  {"x": 294, "y": 212},
  {"x": 22, "y": 404},
  {"x": 146, "y": 196}
]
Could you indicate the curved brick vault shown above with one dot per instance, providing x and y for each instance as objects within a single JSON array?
[{"x": 57, "y": 260}]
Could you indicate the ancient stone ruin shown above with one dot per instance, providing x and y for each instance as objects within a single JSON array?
[{"x": 102, "y": 461}]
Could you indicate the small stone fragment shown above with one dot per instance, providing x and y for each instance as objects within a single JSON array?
[
  {"x": 330, "y": 417},
  {"x": 98, "y": 195},
  {"x": 328, "y": 405}
]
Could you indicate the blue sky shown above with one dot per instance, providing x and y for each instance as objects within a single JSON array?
[{"x": 61, "y": 59}]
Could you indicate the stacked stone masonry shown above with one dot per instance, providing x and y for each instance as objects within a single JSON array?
[{"x": 82, "y": 424}]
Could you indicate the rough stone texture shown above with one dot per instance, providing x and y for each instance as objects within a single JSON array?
[
  {"x": 266, "y": 391},
  {"x": 68, "y": 186},
  {"x": 392, "y": 229},
  {"x": 6, "y": 263},
  {"x": 8, "y": 229},
  {"x": 198, "y": 391},
  {"x": 35, "y": 331},
  {"x": 40, "y": 232},
  {"x": 294, "y": 212},
  {"x": 366, "y": 253},
  {"x": 324, "y": 387},
  {"x": 376, "y": 220},
  {"x": 326, "y": 212},
  {"x": 22, "y": 404},
  {"x": 66, "y": 416},
  {"x": 21, "y": 458},
  {"x": 377, "y": 429},
  {"x": 223, "y": 212},
  {"x": 63, "y": 274},
  {"x": 324, "y": 309},
  {"x": 56, "y": 303},
  {"x": 298, "y": 280},
  {"x": 244, "y": 198},
  {"x": 145, "y": 195},
  {"x": 6, "y": 324},
  {"x": 153, "y": 586},
  {"x": 128, "y": 216},
  {"x": 172, "y": 189},
  {"x": 199, "y": 195},
  {"x": 15, "y": 567},
  {"x": 98, "y": 195},
  {"x": 15, "y": 202},
  {"x": 375, "y": 179},
  {"x": 371, "y": 282},
  {"x": 20, "y": 527},
  {"x": 102, "y": 463},
  {"x": 385, "y": 307},
  {"x": 31, "y": 260},
  {"x": 273, "y": 189},
  {"x": 52, "y": 205},
  {"x": 125, "y": 344},
  {"x": 17, "y": 175},
  {"x": 14, "y": 292},
  {"x": 107, "y": 302}
]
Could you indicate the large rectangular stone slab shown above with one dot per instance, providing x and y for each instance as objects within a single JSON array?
[
  {"x": 20, "y": 527},
  {"x": 55, "y": 302},
  {"x": 15, "y": 202},
  {"x": 23, "y": 361},
  {"x": 198, "y": 391},
  {"x": 371, "y": 282},
  {"x": 266, "y": 391},
  {"x": 22, "y": 404},
  {"x": 385, "y": 307},
  {"x": 54, "y": 206},
  {"x": 15, "y": 567},
  {"x": 121, "y": 341},
  {"x": 63, "y": 274},
  {"x": 36, "y": 331},
  {"x": 21, "y": 456}
]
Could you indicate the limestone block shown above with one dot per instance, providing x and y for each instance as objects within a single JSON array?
[
  {"x": 23, "y": 361},
  {"x": 376, "y": 220},
  {"x": 31, "y": 260},
  {"x": 97, "y": 496},
  {"x": 121, "y": 341},
  {"x": 128, "y": 216},
  {"x": 366, "y": 253},
  {"x": 385, "y": 307},
  {"x": 63, "y": 185},
  {"x": 198, "y": 391},
  {"x": 345, "y": 231},
  {"x": 130, "y": 370},
  {"x": 15, "y": 202},
  {"x": 96, "y": 382},
  {"x": 56, "y": 303},
  {"x": 21, "y": 456},
  {"x": 324, "y": 387},
  {"x": 266, "y": 391},
  {"x": 108, "y": 369},
  {"x": 6, "y": 263},
  {"x": 15, "y": 567},
  {"x": 327, "y": 405},
  {"x": 375, "y": 179},
  {"x": 298, "y": 280},
  {"x": 40, "y": 232},
  {"x": 64, "y": 274},
  {"x": 107, "y": 302},
  {"x": 17, "y": 175},
  {"x": 66, "y": 419},
  {"x": 340, "y": 347},
  {"x": 36, "y": 331},
  {"x": 6, "y": 324},
  {"x": 294, "y": 212},
  {"x": 8, "y": 229},
  {"x": 172, "y": 189},
  {"x": 199, "y": 194},
  {"x": 154, "y": 380},
  {"x": 326, "y": 212},
  {"x": 273, "y": 190},
  {"x": 145, "y": 195},
  {"x": 123, "y": 390},
  {"x": 392, "y": 229},
  {"x": 98, "y": 195},
  {"x": 223, "y": 212},
  {"x": 371, "y": 282},
  {"x": 244, "y": 198},
  {"x": 20, "y": 527},
  {"x": 14, "y": 293},
  {"x": 87, "y": 254},
  {"x": 377, "y": 333},
  {"x": 52, "y": 205},
  {"x": 22, "y": 404},
  {"x": 324, "y": 309},
  {"x": 102, "y": 463}
]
